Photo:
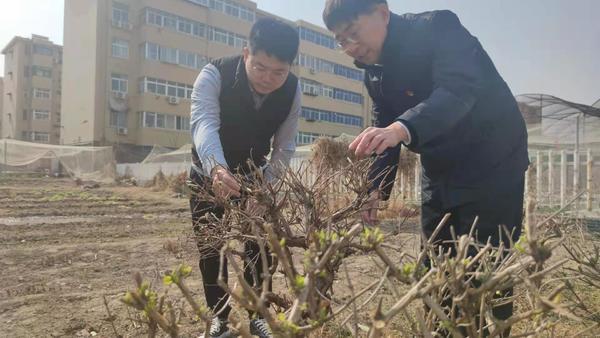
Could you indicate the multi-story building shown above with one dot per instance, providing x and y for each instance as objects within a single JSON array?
[
  {"x": 32, "y": 90},
  {"x": 130, "y": 66},
  {"x": 1, "y": 105},
  {"x": 335, "y": 101}
]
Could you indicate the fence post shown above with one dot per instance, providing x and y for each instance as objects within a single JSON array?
[
  {"x": 531, "y": 196},
  {"x": 538, "y": 177},
  {"x": 550, "y": 177},
  {"x": 563, "y": 178},
  {"x": 576, "y": 169},
  {"x": 4, "y": 159},
  {"x": 590, "y": 163}
]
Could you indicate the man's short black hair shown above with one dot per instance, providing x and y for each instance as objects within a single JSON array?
[
  {"x": 337, "y": 12},
  {"x": 276, "y": 38}
]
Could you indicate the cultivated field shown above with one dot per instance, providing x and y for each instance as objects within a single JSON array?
[{"x": 65, "y": 248}]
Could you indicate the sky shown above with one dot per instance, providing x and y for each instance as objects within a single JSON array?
[{"x": 539, "y": 46}]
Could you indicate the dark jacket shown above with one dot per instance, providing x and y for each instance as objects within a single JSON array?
[
  {"x": 246, "y": 132},
  {"x": 437, "y": 79}
]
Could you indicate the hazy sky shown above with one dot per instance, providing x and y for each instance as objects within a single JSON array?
[{"x": 548, "y": 46}]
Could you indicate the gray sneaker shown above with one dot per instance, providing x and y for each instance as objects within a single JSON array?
[
  {"x": 260, "y": 328},
  {"x": 218, "y": 329}
]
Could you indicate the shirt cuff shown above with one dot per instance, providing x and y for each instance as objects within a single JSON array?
[
  {"x": 408, "y": 136},
  {"x": 209, "y": 164}
]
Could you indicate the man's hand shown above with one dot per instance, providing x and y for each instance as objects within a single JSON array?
[
  {"x": 377, "y": 140},
  {"x": 223, "y": 183},
  {"x": 369, "y": 212}
]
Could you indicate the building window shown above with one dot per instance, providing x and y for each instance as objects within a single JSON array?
[
  {"x": 25, "y": 114},
  {"x": 187, "y": 59},
  {"x": 37, "y": 136},
  {"x": 118, "y": 119},
  {"x": 41, "y": 71},
  {"x": 165, "y": 121},
  {"x": 180, "y": 57},
  {"x": 195, "y": 28},
  {"x": 42, "y": 50},
  {"x": 163, "y": 19},
  {"x": 312, "y": 114},
  {"x": 170, "y": 122},
  {"x": 327, "y": 91},
  {"x": 316, "y": 37},
  {"x": 149, "y": 120},
  {"x": 168, "y": 55},
  {"x": 232, "y": 9},
  {"x": 119, "y": 83},
  {"x": 40, "y": 93},
  {"x": 218, "y": 35},
  {"x": 320, "y": 65},
  {"x": 228, "y": 7},
  {"x": 162, "y": 87},
  {"x": 120, "y": 13},
  {"x": 348, "y": 96},
  {"x": 200, "y": 2},
  {"x": 247, "y": 14},
  {"x": 120, "y": 48},
  {"x": 306, "y": 138},
  {"x": 184, "y": 26},
  {"x": 310, "y": 87},
  {"x": 227, "y": 38},
  {"x": 160, "y": 121},
  {"x": 182, "y": 123},
  {"x": 41, "y": 115},
  {"x": 151, "y": 51},
  {"x": 314, "y": 88},
  {"x": 154, "y": 17}
]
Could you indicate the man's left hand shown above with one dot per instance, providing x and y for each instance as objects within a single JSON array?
[{"x": 377, "y": 140}]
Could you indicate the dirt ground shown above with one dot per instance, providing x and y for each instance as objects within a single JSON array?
[{"x": 63, "y": 248}]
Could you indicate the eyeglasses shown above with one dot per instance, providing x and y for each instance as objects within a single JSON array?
[
  {"x": 276, "y": 75},
  {"x": 352, "y": 36},
  {"x": 344, "y": 43}
]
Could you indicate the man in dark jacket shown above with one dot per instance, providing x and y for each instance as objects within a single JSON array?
[
  {"x": 436, "y": 91},
  {"x": 240, "y": 104}
]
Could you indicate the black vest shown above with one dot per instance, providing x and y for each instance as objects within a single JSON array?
[{"x": 245, "y": 132}]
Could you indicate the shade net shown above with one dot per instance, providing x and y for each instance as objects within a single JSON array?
[
  {"x": 85, "y": 163},
  {"x": 552, "y": 121}
]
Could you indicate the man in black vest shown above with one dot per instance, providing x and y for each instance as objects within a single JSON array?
[
  {"x": 239, "y": 104},
  {"x": 436, "y": 91}
]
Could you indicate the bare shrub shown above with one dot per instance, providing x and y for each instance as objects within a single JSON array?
[{"x": 455, "y": 294}]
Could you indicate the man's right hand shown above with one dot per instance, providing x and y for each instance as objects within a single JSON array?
[{"x": 223, "y": 183}]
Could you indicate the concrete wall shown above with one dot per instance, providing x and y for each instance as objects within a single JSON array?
[
  {"x": 1, "y": 106},
  {"x": 80, "y": 83}
]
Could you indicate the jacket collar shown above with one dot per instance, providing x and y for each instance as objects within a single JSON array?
[{"x": 392, "y": 45}]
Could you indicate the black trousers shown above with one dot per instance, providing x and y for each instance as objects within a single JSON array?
[
  {"x": 216, "y": 297},
  {"x": 503, "y": 208}
]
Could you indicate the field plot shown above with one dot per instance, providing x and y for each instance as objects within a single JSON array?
[{"x": 65, "y": 248}]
